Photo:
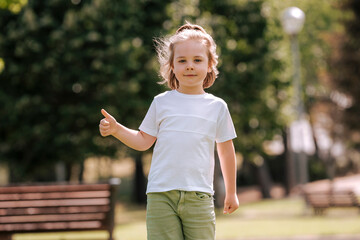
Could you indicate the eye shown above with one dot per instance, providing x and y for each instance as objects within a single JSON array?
[
  {"x": 198, "y": 60},
  {"x": 182, "y": 61}
]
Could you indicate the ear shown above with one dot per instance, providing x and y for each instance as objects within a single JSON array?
[{"x": 209, "y": 69}]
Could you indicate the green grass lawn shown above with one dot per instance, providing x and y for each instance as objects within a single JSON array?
[{"x": 286, "y": 217}]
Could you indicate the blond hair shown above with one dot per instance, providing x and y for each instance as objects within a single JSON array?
[{"x": 165, "y": 51}]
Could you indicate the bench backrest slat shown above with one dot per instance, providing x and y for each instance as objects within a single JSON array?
[
  {"x": 56, "y": 202},
  {"x": 53, "y": 188},
  {"x": 52, "y": 218},
  {"x": 52, "y": 210},
  {"x": 53, "y": 195}
]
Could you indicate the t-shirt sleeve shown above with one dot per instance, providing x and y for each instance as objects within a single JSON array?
[
  {"x": 225, "y": 129},
  {"x": 149, "y": 124}
]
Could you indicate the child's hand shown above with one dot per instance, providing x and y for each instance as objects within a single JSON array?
[
  {"x": 107, "y": 125},
  {"x": 231, "y": 203}
]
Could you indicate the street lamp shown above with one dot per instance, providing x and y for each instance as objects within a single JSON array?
[{"x": 292, "y": 21}]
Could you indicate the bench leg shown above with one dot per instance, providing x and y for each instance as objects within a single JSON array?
[
  {"x": 111, "y": 236},
  {"x": 5, "y": 236},
  {"x": 319, "y": 211}
]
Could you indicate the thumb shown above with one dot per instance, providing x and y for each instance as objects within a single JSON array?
[{"x": 106, "y": 114}]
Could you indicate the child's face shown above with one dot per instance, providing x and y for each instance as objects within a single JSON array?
[{"x": 191, "y": 65}]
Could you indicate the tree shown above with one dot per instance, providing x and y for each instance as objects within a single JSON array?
[
  {"x": 64, "y": 61},
  {"x": 344, "y": 82}
]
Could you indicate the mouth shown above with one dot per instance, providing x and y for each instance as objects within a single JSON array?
[{"x": 190, "y": 75}]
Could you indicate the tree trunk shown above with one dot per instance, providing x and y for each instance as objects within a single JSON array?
[
  {"x": 139, "y": 180},
  {"x": 264, "y": 179},
  {"x": 219, "y": 185}
]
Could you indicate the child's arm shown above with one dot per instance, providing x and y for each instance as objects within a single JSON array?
[
  {"x": 137, "y": 140},
  {"x": 226, "y": 153}
]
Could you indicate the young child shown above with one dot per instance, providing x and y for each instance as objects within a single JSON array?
[{"x": 185, "y": 123}]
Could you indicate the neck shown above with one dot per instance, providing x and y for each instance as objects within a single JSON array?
[{"x": 190, "y": 91}]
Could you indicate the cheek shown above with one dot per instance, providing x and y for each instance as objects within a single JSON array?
[{"x": 177, "y": 68}]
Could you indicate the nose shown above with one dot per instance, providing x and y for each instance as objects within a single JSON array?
[{"x": 189, "y": 67}]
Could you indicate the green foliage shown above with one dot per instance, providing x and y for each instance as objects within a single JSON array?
[
  {"x": 13, "y": 5},
  {"x": 345, "y": 62},
  {"x": 65, "y": 60},
  {"x": 63, "y": 63},
  {"x": 244, "y": 74}
]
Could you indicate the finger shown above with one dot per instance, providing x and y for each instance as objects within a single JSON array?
[
  {"x": 104, "y": 122},
  {"x": 228, "y": 209},
  {"x": 106, "y": 114},
  {"x": 104, "y": 128},
  {"x": 104, "y": 134}
]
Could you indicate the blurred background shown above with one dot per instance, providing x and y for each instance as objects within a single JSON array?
[{"x": 61, "y": 61}]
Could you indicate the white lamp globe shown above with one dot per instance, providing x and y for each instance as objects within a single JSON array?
[{"x": 293, "y": 19}]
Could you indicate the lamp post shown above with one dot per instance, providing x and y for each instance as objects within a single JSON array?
[{"x": 292, "y": 21}]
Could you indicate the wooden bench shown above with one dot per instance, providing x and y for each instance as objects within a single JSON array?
[
  {"x": 57, "y": 208},
  {"x": 320, "y": 201}
]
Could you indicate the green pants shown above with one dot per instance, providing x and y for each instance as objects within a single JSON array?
[{"x": 179, "y": 215}]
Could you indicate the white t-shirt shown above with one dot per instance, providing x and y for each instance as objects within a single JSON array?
[{"x": 186, "y": 128}]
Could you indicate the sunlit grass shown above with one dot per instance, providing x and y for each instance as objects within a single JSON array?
[
  {"x": 270, "y": 218},
  {"x": 286, "y": 217},
  {"x": 133, "y": 231},
  {"x": 88, "y": 235},
  {"x": 301, "y": 226}
]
